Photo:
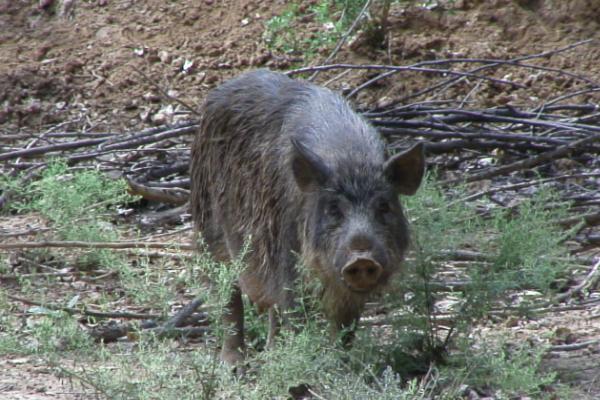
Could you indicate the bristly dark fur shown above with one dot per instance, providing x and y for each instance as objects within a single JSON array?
[{"x": 243, "y": 187}]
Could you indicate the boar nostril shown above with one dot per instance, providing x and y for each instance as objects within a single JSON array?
[{"x": 371, "y": 271}]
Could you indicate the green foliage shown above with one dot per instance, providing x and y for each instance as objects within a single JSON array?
[
  {"x": 54, "y": 332},
  {"x": 146, "y": 283},
  {"x": 222, "y": 277},
  {"x": 509, "y": 370},
  {"x": 280, "y": 33},
  {"x": 155, "y": 370},
  {"x": 529, "y": 244},
  {"x": 77, "y": 203},
  {"x": 521, "y": 249},
  {"x": 333, "y": 16}
]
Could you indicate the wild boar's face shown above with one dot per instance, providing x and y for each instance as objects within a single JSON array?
[{"x": 355, "y": 230}]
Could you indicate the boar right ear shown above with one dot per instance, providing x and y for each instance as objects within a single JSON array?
[
  {"x": 405, "y": 170},
  {"x": 309, "y": 170}
]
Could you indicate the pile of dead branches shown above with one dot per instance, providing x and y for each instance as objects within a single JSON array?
[{"x": 506, "y": 148}]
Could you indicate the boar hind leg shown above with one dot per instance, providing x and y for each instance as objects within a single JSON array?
[{"x": 232, "y": 352}]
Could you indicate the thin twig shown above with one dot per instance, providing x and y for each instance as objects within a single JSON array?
[
  {"x": 590, "y": 280},
  {"x": 414, "y": 68},
  {"x": 97, "y": 245},
  {"x": 574, "y": 346},
  {"x": 84, "y": 311},
  {"x": 520, "y": 185}
]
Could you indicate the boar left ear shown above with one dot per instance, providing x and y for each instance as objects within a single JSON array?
[
  {"x": 310, "y": 172},
  {"x": 405, "y": 170}
]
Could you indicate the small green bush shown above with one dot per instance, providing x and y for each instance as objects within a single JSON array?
[{"x": 334, "y": 17}]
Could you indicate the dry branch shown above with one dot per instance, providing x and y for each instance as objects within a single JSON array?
[
  {"x": 174, "y": 196},
  {"x": 528, "y": 162},
  {"x": 96, "y": 245},
  {"x": 590, "y": 280},
  {"x": 84, "y": 311}
]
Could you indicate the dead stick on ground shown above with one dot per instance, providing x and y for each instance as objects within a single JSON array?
[
  {"x": 574, "y": 346},
  {"x": 175, "y": 196},
  {"x": 516, "y": 186},
  {"x": 527, "y": 163},
  {"x": 585, "y": 220},
  {"x": 590, "y": 280},
  {"x": 71, "y": 310},
  {"x": 176, "y": 321},
  {"x": 96, "y": 245},
  {"x": 34, "y": 151},
  {"x": 13, "y": 277}
]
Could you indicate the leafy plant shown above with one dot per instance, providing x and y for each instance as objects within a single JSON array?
[{"x": 334, "y": 18}]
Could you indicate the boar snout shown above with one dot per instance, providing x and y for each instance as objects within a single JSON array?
[{"x": 362, "y": 273}]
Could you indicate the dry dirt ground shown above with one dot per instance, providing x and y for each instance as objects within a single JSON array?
[{"x": 94, "y": 66}]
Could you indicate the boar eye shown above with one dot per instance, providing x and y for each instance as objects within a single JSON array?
[
  {"x": 383, "y": 207},
  {"x": 332, "y": 209}
]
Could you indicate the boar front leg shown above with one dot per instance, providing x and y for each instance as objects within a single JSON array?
[
  {"x": 232, "y": 351},
  {"x": 274, "y": 326}
]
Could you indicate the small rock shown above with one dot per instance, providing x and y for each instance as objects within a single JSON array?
[
  {"x": 159, "y": 119},
  {"x": 201, "y": 77},
  {"x": 145, "y": 115},
  {"x": 102, "y": 3},
  {"x": 72, "y": 66},
  {"x": 260, "y": 59},
  {"x": 34, "y": 107},
  {"x": 164, "y": 56},
  {"x": 41, "y": 52},
  {"x": 211, "y": 79},
  {"x": 132, "y": 105},
  {"x": 153, "y": 56},
  {"x": 164, "y": 116},
  {"x": 178, "y": 62},
  {"x": 384, "y": 102},
  {"x": 44, "y": 4},
  {"x": 214, "y": 52},
  {"x": 151, "y": 97}
]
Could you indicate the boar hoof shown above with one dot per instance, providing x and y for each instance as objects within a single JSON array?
[{"x": 232, "y": 357}]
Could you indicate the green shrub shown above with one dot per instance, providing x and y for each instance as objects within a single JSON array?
[{"x": 333, "y": 16}]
